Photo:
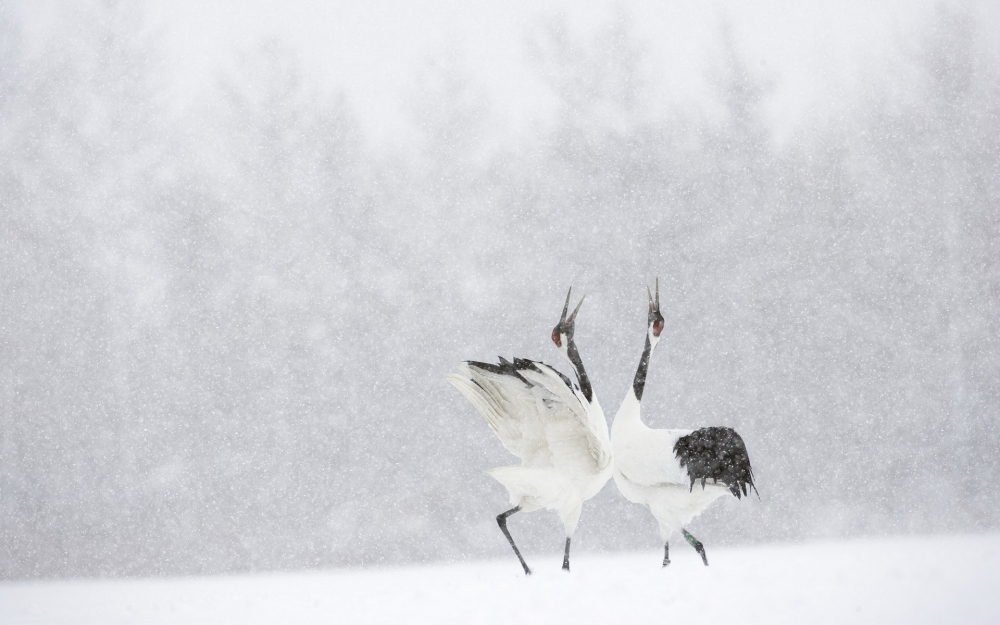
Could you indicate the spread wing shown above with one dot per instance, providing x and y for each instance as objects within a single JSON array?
[{"x": 538, "y": 414}]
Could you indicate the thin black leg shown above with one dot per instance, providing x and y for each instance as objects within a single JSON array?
[
  {"x": 697, "y": 546},
  {"x": 666, "y": 554},
  {"x": 502, "y": 522},
  {"x": 566, "y": 556}
]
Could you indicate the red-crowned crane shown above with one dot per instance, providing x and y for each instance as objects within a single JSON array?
[
  {"x": 674, "y": 473},
  {"x": 556, "y": 428}
]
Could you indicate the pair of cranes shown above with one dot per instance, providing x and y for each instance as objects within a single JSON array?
[{"x": 559, "y": 432}]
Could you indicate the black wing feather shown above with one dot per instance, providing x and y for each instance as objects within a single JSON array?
[
  {"x": 504, "y": 368},
  {"x": 512, "y": 369},
  {"x": 718, "y": 454}
]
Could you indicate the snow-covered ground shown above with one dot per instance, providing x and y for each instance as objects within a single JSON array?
[{"x": 941, "y": 579}]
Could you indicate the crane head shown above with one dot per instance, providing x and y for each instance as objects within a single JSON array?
[
  {"x": 562, "y": 334},
  {"x": 655, "y": 319}
]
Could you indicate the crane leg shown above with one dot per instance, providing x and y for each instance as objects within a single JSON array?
[
  {"x": 566, "y": 556},
  {"x": 666, "y": 554},
  {"x": 502, "y": 522},
  {"x": 697, "y": 545}
]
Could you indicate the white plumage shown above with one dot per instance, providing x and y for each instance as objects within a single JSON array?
[
  {"x": 649, "y": 473},
  {"x": 675, "y": 473},
  {"x": 555, "y": 427}
]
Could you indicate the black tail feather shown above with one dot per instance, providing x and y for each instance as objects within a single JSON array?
[{"x": 717, "y": 454}]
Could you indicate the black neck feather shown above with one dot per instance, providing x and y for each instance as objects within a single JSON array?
[
  {"x": 640, "y": 374},
  {"x": 581, "y": 373}
]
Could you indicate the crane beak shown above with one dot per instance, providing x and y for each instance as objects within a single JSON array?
[
  {"x": 654, "y": 304},
  {"x": 562, "y": 319},
  {"x": 572, "y": 318}
]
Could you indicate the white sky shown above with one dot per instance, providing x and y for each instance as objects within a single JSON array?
[{"x": 371, "y": 48}]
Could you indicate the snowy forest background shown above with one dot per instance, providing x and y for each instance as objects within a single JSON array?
[{"x": 225, "y": 326}]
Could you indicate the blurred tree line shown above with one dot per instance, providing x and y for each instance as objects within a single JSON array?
[{"x": 224, "y": 331}]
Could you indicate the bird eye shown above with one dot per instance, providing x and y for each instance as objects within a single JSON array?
[
  {"x": 657, "y": 327},
  {"x": 555, "y": 338}
]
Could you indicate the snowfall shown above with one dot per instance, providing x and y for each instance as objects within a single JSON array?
[{"x": 938, "y": 579}]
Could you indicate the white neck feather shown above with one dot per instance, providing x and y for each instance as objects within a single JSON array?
[{"x": 628, "y": 414}]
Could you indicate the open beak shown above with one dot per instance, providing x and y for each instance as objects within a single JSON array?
[
  {"x": 562, "y": 319},
  {"x": 654, "y": 305},
  {"x": 572, "y": 317}
]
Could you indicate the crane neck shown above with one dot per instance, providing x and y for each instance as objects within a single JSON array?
[
  {"x": 581, "y": 374},
  {"x": 639, "y": 383},
  {"x": 628, "y": 417}
]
